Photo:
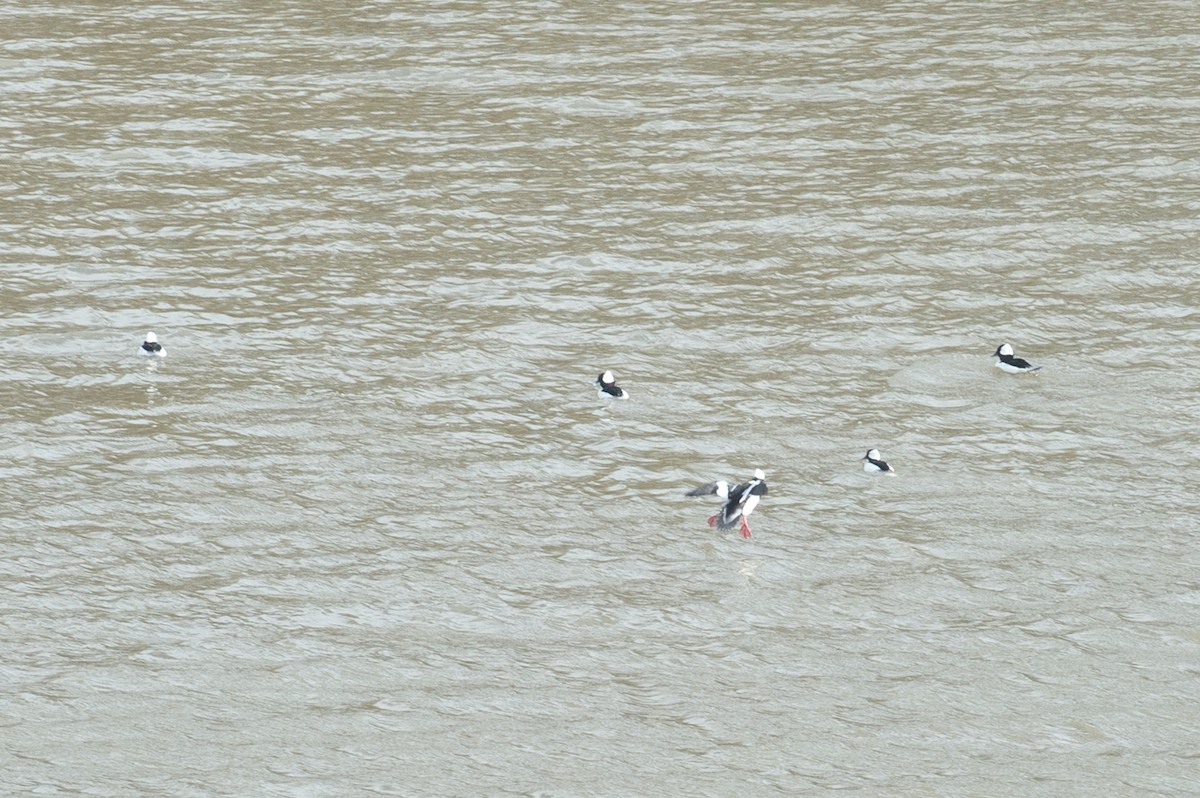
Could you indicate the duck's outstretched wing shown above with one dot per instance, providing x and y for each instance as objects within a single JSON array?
[{"x": 718, "y": 488}]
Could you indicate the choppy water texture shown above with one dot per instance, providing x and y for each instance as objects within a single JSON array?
[{"x": 367, "y": 529}]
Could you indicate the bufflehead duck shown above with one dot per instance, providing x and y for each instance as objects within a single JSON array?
[
  {"x": 151, "y": 347},
  {"x": 740, "y": 501},
  {"x": 873, "y": 463},
  {"x": 1013, "y": 365},
  {"x": 609, "y": 388}
]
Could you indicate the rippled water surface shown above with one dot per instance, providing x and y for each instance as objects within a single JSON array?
[{"x": 367, "y": 529}]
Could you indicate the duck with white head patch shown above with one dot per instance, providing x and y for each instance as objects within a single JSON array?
[
  {"x": 740, "y": 501},
  {"x": 609, "y": 388},
  {"x": 1012, "y": 365},
  {"x": 151, "y": 347},
  {"x": 873, "y": 463}
]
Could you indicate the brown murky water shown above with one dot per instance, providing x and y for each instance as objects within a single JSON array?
[{"x": 367, "y": 529}]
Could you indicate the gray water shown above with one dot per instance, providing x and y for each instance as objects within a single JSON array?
[{"x": 367, "y": 529}]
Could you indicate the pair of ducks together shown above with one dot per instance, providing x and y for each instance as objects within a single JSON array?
[{"x": 742, "y": 499}]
